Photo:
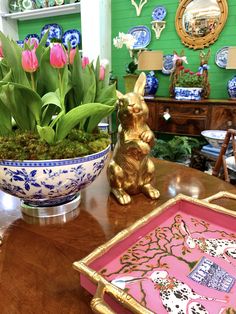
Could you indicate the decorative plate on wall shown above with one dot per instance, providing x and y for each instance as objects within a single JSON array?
[
  {"x": 168, "y": 64},
  {"x": 34, "y": 38},
  {"x": 44, "y": 3},
  {"x": 73, "y": 36},
  {"x": 55, "y": 31},
  {"x": 221, "y": 57},
  {"x": 27, "y": 5},
  {"x": 14, "y": 6},
  {"x": 142, "y": 35},
  {"x": 159, "y": 13}
]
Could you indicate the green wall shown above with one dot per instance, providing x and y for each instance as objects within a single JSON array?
[
  {"x": 124, "y": 17},
  {"x": 34, "y": 26}
]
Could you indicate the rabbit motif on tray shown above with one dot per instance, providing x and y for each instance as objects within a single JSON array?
[{"x": 131, "y": 170}]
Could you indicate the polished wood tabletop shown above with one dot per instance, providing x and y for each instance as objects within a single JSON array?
[{"x": 36, "y": 274}]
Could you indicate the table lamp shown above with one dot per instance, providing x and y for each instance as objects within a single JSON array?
[
  {"x": 150, "y": 61},
  {"x": 231, "y": 64}
]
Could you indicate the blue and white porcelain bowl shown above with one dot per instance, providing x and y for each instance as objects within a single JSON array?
[
  {"x": 50, "y": 182},
  {"x": 214, "y": 137},
  {"x": 188, "y": 93}
]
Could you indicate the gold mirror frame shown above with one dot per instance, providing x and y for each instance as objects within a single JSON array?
[{"x": 199, "y": 42}]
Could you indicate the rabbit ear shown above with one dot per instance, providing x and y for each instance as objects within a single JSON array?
[
  {"x": 140, "y": 84},
  {"x": 119, "y": 94},
  {"x": 208, "y": 54}
]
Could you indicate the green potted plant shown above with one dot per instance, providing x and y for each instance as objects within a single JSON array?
[
  {"x": 189, "y": 85},
  {"x": 128, "y": 41},
  {"x": 51, "y": 103},
  {"x": 177, "y": 149}
]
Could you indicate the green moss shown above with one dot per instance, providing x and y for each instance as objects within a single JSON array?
[{"x": 28, "y": 146}]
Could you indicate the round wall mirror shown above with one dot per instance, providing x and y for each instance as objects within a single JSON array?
[{"x": 199, "y": 22}]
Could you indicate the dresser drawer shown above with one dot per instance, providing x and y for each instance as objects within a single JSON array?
[
  {"x": 186, "y": 110},
  {"x": 182, "y": 125}
]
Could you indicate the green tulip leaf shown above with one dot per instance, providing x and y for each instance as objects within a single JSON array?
[
  {"x": 12, "y": 54},
  {"x": 77, "y": 80},
  {"x": 6, "y": 123},
  {"x": 24, "y": 104},
  {"x": 78, "y": 115},
  {"x": 89, "y": 85},
  {"x": 107, "y": 95},
  {"x": 46, "y": 133},
  {"x": 47, "y": 76},
  {"x": 51, "y": 98}
]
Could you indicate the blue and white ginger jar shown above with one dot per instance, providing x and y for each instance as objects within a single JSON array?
[
  {"x": 231, "y": 87},
  {"x": 152, "y": 84}
]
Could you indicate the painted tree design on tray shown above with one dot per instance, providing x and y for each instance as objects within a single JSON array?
[
  {"x": 175, "y": 241},
  {"x": 185, "y": 240}
]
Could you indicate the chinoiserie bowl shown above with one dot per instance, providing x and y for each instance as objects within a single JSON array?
[
  {"x": 214, "y": 137},
  {"x": 50, "y": 183}
]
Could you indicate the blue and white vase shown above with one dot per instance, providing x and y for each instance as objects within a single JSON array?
[
  {"x": 152, "y": 84},
  {"x": 188, "y": 93},
  {"x": 231, "y": 87}
]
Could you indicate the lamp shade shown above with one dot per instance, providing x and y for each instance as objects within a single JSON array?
[
  {"x": 231, "y": 59},
  {"x": 150, "y": 60}
]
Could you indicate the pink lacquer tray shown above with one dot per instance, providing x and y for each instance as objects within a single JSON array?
[{"x": 180, "y": 258}]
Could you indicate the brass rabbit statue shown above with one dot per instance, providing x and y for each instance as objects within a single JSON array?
[{"x": 130, "y": 170}]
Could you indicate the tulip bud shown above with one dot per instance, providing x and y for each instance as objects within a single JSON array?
[
  {"x": 58, "y": 56},
  {"x": 33, "y": 42},
  {"x": 29, "y": 61},
  {"x": 85, "y": 61},
  {"x": 102, "y": 73},
  {"x": 1, "y": 53},
  {"x": 72, "y": 56}
]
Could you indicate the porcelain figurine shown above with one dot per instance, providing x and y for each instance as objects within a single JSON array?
[{"x": 131, "y": 170}]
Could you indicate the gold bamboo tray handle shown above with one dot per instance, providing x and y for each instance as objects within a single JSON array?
[
  {"x": 98, "y": 304},
  {"x": 219, "y": 195}
]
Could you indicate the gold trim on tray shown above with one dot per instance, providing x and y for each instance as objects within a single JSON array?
[{"x": 98, "y": 305}]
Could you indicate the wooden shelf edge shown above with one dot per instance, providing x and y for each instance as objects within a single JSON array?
[{"x": 44, "y": 12}]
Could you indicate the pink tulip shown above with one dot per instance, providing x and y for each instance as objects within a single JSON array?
[
  {"x": 58, "y": 56},
  {"x": 102, "y": 73},
  {"x": 72, "y": 56},
  {"x": 1, "y": 52},
  {"x": 33, "y": 42},
  {"x": 85, "y": 61},
  {"x": 29, "y": 61}
]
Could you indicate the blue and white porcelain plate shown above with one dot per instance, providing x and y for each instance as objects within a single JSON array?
[
  {"x": 221, "y": 57},
  {"x": 159, "y": 13},
  {"x": 55, "y": 31},
  {"x": 71, "y": 36},
  {"x": 20, "y": 43},
  {"x": 142, "y": 35},
  {"x": 168, "y": 64}
]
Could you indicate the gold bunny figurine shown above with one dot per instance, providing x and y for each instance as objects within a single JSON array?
[{"x": 130, "y": 170}]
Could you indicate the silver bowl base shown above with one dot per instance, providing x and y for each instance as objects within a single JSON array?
[{"x": 50, "y": 211}]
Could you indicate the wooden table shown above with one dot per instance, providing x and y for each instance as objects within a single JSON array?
[{"x": 36, "y": 273}]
